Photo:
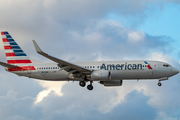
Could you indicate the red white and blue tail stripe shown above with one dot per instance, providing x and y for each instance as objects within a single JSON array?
[{"x": 14, "y": 54}]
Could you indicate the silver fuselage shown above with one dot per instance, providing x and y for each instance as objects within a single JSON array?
[{"x": 120, "y": 70}]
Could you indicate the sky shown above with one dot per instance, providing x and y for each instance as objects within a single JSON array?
[{"x": 95, "y": 30}]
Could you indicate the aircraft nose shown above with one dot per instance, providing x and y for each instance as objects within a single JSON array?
[{"x": 175, "y": 71}]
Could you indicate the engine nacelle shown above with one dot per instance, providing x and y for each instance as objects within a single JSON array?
[
  {"x": 101, "y": 75},
  {"x": 112, "y": 83}
]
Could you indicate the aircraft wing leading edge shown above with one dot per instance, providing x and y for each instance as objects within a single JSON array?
[{"x": 69, "y": 67}]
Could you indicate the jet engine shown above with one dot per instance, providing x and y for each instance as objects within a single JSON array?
[
  {"x": 112, "y": 83},
  {"x": 100, "y": 75}
]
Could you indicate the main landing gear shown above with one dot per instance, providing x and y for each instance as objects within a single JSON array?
[
  {"x": 83, "y": 84},
  {"x": 90, "y": 87}
]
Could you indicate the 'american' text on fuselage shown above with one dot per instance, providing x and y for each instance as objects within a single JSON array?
[{"x": 122, "y": 66}]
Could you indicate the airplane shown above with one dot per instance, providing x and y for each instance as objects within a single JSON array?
[{"x": 108, "y": 73}]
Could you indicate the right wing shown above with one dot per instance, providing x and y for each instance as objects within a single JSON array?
[
  {"x": 67, "y": 66},
  {"x": 8, "y": 65}
]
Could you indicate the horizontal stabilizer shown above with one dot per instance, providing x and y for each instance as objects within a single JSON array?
[{"x": 8, "y": 65}]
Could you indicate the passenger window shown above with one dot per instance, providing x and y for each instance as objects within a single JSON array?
[
  {"x": 97, "y": 66},
  {"x": 93, "y": 66},
  {"x": 90, "y": 66}
]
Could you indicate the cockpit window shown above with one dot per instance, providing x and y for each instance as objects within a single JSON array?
[{"x": 166, "y": 65}]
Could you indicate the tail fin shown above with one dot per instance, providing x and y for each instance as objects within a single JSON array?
[{"x": 14, "y": 54}]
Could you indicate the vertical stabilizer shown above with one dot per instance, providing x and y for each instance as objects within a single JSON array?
[{"x": 14, "y": 54}]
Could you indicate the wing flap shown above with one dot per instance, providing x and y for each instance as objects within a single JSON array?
[{"x": 61, "y": 63}]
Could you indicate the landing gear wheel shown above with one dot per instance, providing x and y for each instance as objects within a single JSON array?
[
  {"x": 82, "y": 83},
  {"x": 159, "y": 84},
  {"x": 89, "y": 87}
]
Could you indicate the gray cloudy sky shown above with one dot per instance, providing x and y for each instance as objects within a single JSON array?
[{"x": 76, "y": 30}]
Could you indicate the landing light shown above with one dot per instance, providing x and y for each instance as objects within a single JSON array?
[{"x": 6, "y": 69}]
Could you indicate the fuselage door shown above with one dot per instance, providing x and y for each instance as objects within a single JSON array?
[
  {"x": 155, "y": 69},
  {"x": 29, "y": 71}
]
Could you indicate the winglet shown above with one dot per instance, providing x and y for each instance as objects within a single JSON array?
[{"x": 38, "y": 50}]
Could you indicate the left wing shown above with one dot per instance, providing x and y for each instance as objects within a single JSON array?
[{"x": 67, "y": 66}]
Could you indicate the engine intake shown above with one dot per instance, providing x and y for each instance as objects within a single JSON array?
[{"x": 112, "y": 83}]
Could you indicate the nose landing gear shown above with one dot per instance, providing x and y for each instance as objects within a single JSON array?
[
  {"x": 159, "y": 83},
  {"x": 162, "y": 79}
]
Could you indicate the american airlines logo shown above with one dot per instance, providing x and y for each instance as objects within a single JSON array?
[{"x": 125, "y": 66}]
